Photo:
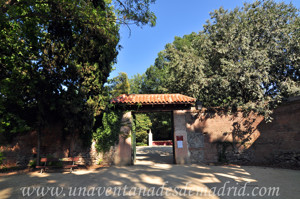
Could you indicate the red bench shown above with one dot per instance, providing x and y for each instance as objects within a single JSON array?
[
  {"x": 162, "y": 143},
  {"x": 66, "y": 163}
]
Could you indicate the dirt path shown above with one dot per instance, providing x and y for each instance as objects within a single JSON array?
[
  {"x": 146, "y": 155},
  {"x": 156, "y": 180}
]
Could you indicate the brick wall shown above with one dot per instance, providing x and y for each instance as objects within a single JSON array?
[
  {"x": 215, "y": 136},
  {"x": 209, "y": 136},
  {"x": 54, "y": 143},
  {"x": 279, "y": 142}
]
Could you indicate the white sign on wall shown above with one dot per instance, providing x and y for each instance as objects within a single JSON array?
[{"x": 179, "y": 144}]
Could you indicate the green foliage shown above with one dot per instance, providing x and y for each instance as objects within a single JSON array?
[
  {"x": 155, "y": 77},
  {"x": 107, "y": 134},
  {"x": 161, "y": 125},
  {"x": 55, "y": 57},
  {"x": 100, "y": 161},
  {"x": 247, "y": 57},
  {"x": 119, "y": 85},
  {"x": 142, "y": 125},
  {"x": 184, "y": 70},
  {"x": 258, "y": 67},
  {"x": 136, "y": 84},
  {"x": 134, "y": 11},
  {"x": 143, "y": 122},
  {"x": 182, "y": 43},
  {"x": 141, "y": 144},
  {"x": 141, "y": 137},
  {"x": 10, "y": 123},
  {"x": 32, "y": 163},
  {"x": 154, "y": 80}
]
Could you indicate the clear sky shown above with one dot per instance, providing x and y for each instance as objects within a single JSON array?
[{"x": 174, "y": 18}]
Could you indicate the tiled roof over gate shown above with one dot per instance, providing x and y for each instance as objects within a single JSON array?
[{"x": 149, "y": 99}]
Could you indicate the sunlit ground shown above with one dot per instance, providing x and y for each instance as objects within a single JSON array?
[{"x": 158, "y": 180}]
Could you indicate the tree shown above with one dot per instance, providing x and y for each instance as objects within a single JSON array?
[
  {"x": 247, "y": 58},
  {"x": 142, "y": 125},
  {"x": 119, "y": 85},
  {"x": 136, "y": 83},
  {"x": 185, "y": 70},
  {"x": 155, "y": 77},
  {"x": 258, "y": 65},
  {"x": 56, "y": 56},
  {"x": 134, "y": 12},
  {"x": 161, "y": 125}
]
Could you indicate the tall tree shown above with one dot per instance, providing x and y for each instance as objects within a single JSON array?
[
  {"x": 254, "y": 51},
  {"x": 119, "y": 85},
  {"x": 248, "y": 58},
  {"x": 155, "y": 77},
  {"x": 52, "y": 54},
  {"x": 142, "y": 125},
  {"x": 136, "y": 83},
  {"x": 55, "y": 57}
]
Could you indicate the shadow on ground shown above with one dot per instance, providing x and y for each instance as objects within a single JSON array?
[
  {"x": 155, "y": 181},
  {"x": 146, "y": 155}
]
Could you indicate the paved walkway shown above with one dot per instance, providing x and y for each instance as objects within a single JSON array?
[
  {"x": 146, "y": 155},
  {"x": 156, "y": 180}
]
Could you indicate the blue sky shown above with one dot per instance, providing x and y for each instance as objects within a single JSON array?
[{"x": 174, "y": 18}]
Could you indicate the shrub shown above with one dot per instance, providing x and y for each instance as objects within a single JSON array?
[
  {"x": 141, "y": 137},
  {"x": 32, "y": 163}
]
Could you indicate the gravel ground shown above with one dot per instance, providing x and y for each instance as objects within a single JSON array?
[{"x": 154, "y": 178}]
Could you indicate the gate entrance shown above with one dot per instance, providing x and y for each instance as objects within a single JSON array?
[
  {"x": 155, "y": 145},
  {"x": 141, "y": 103}
]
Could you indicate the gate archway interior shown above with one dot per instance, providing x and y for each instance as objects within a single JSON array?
[
  {"x": 143, "y": 103},
  {"x": 160, "y": 147}
]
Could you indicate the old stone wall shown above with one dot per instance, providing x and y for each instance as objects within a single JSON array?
[
  {"x": 279, "y": 142},
  {"x": 216, "y": 136},
  {"x": 54, "y": 143},
  {"x": 209, "y": 136}
]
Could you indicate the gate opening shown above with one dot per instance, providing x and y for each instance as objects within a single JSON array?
[
  {"x": 153, "y": 139},
  {"x": 150, "y": 103}
]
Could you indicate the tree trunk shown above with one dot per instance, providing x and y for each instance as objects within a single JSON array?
[
  {"x": 71, "y": 144},
  {"x": 38, "y": 147}
]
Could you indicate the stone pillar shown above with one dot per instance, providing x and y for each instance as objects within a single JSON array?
[
  {"x": 150, "y": 138},
  {"x": 123, "y": 149},
  {"x": 181, "y": 148}
]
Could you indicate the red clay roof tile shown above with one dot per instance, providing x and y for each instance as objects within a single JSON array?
[{"x": 149, "y": 99}]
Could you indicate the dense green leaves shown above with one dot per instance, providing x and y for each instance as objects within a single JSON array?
[
  {"x": 136, "y": 84},
  {"x": 142, "y": 125},
  {"x": 107, "y": 134},
  {"x": 153, "y": 80},
  {"x": 247, "y": 57},
  {"x": 119, "y": 85},
  {"x": 249, "y": 51},
  {"x": 55, "y": 57},
  {"x": 161, "y": 125}
]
